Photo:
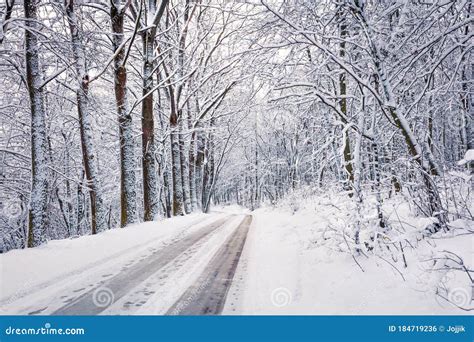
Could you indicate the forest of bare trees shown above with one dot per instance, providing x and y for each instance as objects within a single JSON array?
[{"x": 114, "y": 112}]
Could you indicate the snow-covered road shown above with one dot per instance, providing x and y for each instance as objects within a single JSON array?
[
  {"x": 208, "y": 295},
  {"x": 272, "y": 262},
  {"x": 169, "y": 273}
]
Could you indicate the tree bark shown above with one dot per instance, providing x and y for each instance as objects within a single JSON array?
[
  {"x": 209, "y": 171},
  {"x": 37, "y": 214},
  {"x": 347, "y": 155},
  {"x": 150, "y": 179},
  {"x": 184, "y": 167},
  {"x": 89, "y": 156},
  {"x": 192, "y": 170},
  {"x": 128, "y": 202},
  {"x": 150, "y": 191},
  {"x": 175, "y": 163}
]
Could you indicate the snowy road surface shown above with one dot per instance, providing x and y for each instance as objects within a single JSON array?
[
  {"x": 208, "y": 294},
  {"x": 188, "y": 274}
]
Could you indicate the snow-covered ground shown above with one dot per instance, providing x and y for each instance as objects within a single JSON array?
[
  {"x": 295, "y": 261},
  {"x": 44, "y": 275},
  {"x": 290, "y": 266}
]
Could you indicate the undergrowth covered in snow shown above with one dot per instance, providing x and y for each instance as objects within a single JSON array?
[{"x": 393, "y": 232}]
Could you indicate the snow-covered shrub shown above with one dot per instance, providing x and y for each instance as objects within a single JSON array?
[{"x": 297, "y": 199}]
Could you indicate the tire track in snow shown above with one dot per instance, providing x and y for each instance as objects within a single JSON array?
[
  {"x": 84, "y": 269},
  {"x": 122, "y": 283},
  {"x": 208, "y": 295}
]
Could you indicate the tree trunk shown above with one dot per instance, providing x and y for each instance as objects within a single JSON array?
[
  {"x": 199, "y": 174},
  {"x": 150, "y": 191},
  {"x": 209, "y": 172},
  {"x": 175, "y": 164},
  {"x": 467, "y": 75},
  {"x": 88, "y": 151},
  {"x": 347, "y": 155},
  {"x": 180, "y": 185},
  {"x": 184, "y": 168},
  {"x": 37, "y": 215},
  {"x": 468, "y": 119},
  {"x": 192, "y": 171},
  {"x": 128, "y": 202}
]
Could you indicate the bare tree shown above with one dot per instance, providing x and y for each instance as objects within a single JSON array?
[{"x": 89, "y": 154}]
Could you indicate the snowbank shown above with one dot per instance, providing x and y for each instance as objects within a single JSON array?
[{"x": 292, "y": 264}]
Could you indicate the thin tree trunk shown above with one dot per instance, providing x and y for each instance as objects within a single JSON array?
[
  {"x": 257, "y": 180},
  {"x": 347, "y": 155},
  {"x": 209, "y": 171},
  {"x": 9, "y": 5},
  {"x": 184, "y": 168},
  {"x": 150, "y": 191},
  {"x": 70, "y": 208},
  {"x": 199, "y": 173},
  {"x": 80, "y": 207},
  {"x": 467, "y": 75},
  {"x": 192, "y": 169},
  {"x": 175, "y": 163},
  {"x": 167, "y": 187}
]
